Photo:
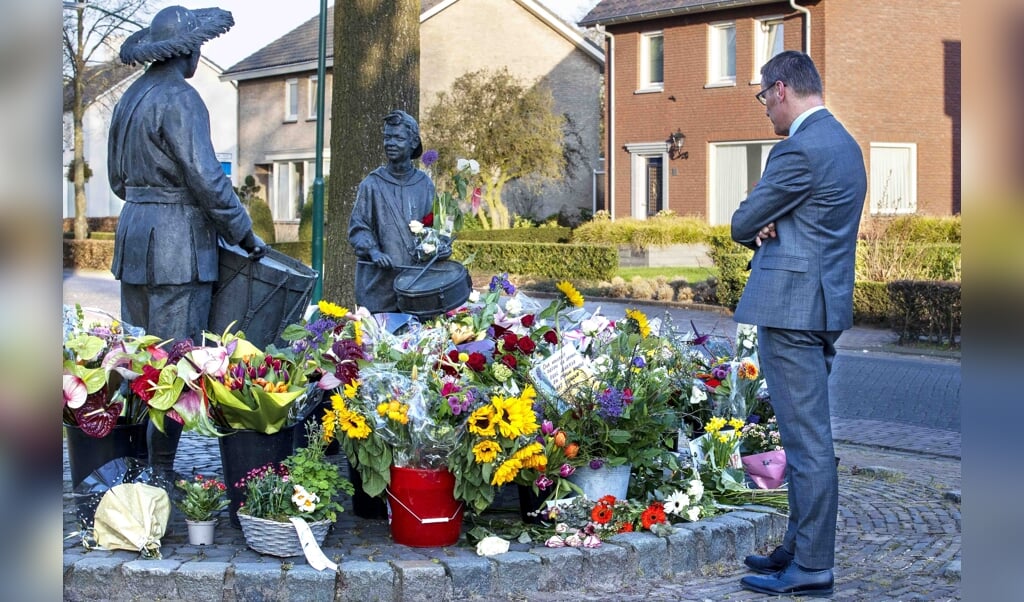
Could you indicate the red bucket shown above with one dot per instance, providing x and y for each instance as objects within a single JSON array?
[{"x": 424, "y": 511}]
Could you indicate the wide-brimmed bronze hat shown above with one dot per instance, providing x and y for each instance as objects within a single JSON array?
[{"x": 175, "y": 30}]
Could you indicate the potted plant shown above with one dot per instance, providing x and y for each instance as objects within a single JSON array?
[
  {"x": 281, "y": 499},
  {"x": 202, "y": 498}
]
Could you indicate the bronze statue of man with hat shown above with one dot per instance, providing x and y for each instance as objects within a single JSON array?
[{"x": 177, "y": 198}]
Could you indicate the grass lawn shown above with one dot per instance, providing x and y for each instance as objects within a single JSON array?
[{"x": 688, "y": 274}]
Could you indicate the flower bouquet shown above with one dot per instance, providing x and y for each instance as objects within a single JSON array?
[
  {"x": 728, "y": 379},
  {"x": 283, "y": 499},
  {"x": 718, "y": 462},
  {"x": 765, "y": 459}
]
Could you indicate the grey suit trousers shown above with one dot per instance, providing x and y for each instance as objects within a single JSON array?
[{"x": 796, "y": 366}]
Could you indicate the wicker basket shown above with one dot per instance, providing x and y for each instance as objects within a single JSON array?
[{"x": 278, "y": 539}]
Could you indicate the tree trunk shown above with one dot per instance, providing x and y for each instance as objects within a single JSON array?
[{"x": 376, "y": 70}]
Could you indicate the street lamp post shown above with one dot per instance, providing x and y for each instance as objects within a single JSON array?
[{"x": 318, "y": 180}]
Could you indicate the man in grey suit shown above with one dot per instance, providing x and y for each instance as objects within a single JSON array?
[{"x": 801, "y": 219}]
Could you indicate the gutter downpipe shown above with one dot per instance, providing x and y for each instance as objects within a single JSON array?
[
  {"x": 609, "y": 164},
  {"x": 807, "y": 24}
]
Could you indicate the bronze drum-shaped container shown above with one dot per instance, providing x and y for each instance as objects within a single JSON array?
[{"x": 427, "y": 293}]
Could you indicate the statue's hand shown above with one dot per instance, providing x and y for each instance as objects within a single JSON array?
[
  {"x": 380, "y": 259},
  {"x": 254, "y": 246}
]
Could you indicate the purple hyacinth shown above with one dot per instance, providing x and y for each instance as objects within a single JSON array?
[
  {"x": 429, "y": 158},
  {"x": 610, "y": 403}
]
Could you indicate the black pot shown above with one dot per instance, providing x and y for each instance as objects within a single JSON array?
[
  {"x": 530, "y": 502},
  {"x": 363, "y": 505},
  {"x": 86, "y": 454},
  {"x": 244, "y": 450}
]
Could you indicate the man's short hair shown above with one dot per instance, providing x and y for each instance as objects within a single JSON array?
[{"x": 795, "y": 69}]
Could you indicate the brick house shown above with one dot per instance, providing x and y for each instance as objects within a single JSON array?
[
  {"x": 686, "y": 133},
  {"x": 107, "y": 82},
  {"x": 277, "y": 91}
]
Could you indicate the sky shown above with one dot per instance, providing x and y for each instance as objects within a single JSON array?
[{"x": 260, "y": 22}]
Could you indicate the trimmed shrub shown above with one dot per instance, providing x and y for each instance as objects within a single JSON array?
[
  {"x": 89, "y": 254},
  {"x": 95, "y": 224},
  {"x": 642, "y": 234},
  {"x": 301, "y": 250},
  {"x": 262, "y": 220},
  {"x": 569, "y": 261},
  {"x": 730, "y": 259},
  {"x": 926, "y": 311},
  {"x": 556, "y": 234},
  {"x": 871, "y": 303}
]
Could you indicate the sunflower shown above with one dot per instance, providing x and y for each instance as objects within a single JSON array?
[
  {"x": 331, "y": 310},
  {"x": 482, "y": 421},
  {"x": 514, "y": 416},
  {"x": 486, "y": 451},
  {"x": 641, "y": 321},
  {"x": 506, "y": 472},
  {"x": 572, "y": 295},
  {"x": 354, "y": 425}
]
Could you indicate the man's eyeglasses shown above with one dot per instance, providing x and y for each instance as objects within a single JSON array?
[{"x": 762, "y": 95}]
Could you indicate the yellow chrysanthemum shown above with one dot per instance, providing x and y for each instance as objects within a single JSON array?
[
  {"x": 486, "y": 451},
  {"x": 572, "y": 295},
  {"x": 354, "y": 426},
  {"x": 506, "y": 472},
  {"x": 482, "y": 421},
  {"x": 641, "y": 321},
  {"x": 331, "y": 310}
]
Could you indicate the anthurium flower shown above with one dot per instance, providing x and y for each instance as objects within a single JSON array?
[{"x": 74, "y": 391}]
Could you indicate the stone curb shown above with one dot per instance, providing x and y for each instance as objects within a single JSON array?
[{"x": 450, "y": 573}]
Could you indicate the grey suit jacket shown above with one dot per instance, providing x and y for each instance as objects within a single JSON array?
[{"x": 813, "y": 188}]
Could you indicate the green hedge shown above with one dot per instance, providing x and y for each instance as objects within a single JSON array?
[
  {"x": 95, "y": 224},
  {"x": 730, "y": 259},
  {"x": 301, "y": 250},
  {"x": 89, "y": 254},
  {"x": 888, "y": 261},
  {"x": 871, "y": 303},
  {"x": 642, "y": 234},
  {"x": 547, "y": 234},
  {"x": 569, "y": 261},
  {"x": 928, "y": 311}
]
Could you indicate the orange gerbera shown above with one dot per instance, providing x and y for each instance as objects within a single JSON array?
[
  {"x": 607, "y": 499},
  {"x": 601, "y": 514},
  {"x": 654, "y": 514},
  {"x": 626, "y": 528}
]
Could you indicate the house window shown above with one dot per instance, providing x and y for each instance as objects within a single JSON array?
[
  {"x": 735, "y": 169},
  {"x": 893, "y": 178},
  {"x": 652, "y": 61},
  {"x": 768, "y": 41},
  {"x": 291, "y": 100},
  {"x": 648, "y": 184},
  {"x": 289, "y": 186},
  {"x": 312, "y": 97},
  {"x": 722, "y": 54}
]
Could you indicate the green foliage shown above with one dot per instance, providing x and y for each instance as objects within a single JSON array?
[
  {"x": 570, "y": 261},
  {"x": 306, "y": 213},
  {"x": 657, "y": 231},
  {"x": 262, "y": 220},
  {"x": 871, "y": 303},
  {"x": 911, "y": 247},
  {"x": 923, "y": 229},
  {"x": 555, "y": 234},
  {"x": 85, "y": 167},
  {"x": 928, "y": 311},
  {"x": 248, "y": 191},
  {"x": 730, "y": 259},
  {"x": 509, "y": 126},
  {"x": 308, "y": 467}
]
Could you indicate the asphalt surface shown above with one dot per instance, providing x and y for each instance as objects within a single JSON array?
[{"x": 896, "y": 421}]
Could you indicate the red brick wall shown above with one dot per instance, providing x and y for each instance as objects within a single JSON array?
[{"x": 885, "y": 76}]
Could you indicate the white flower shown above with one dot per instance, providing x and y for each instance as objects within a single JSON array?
[
  {"x": 594, "y": 324},
  {"x": 513, "y": 306},
  {"x": 416, "y": 226},
  {"x": 474, "y": 297},
  {"x": 555, "y": 542},
  {"x": 304, "y": 500},
  {"x": 471, "y": 164},
  {"x": 574, "y": 540},
  {"x": 561, "y": 528},
  {"x": 428, "y": 248},
  {"x": 592, "y": 541},
  {"x": 697, "y": 395},
  {"x": 491, "y": 545},
  {"x": 693, "y": 514},
  {"x": 695, "y": 490},
  {"x": 677, "y": 503}
]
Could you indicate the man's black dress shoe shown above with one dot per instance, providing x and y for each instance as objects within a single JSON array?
[
  {"x": 772, "y": 563},
  {"x": 792, "y": 581}
]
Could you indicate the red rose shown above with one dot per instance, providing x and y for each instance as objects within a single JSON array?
[
  {"x": 527, "y": 320},
  {"x": 428, "y": 219},
  {"x": 712, "y": 383},
  {"x": 551, "y": 337},
  {"x": 476, "y": 362},
  {"x": 526, "y": 345},
  {"x": 509, "y": 341},
  {"x": 509, "y": 361}
]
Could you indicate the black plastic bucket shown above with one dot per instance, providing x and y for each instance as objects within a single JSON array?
[{"x": 244, "y": 450}]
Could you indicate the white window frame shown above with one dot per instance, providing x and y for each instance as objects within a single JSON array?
[
  {"x": 762, "y": 50},
  {"x": 638, "y": 155},
  {"x": 291, "y": 99},
  {"x": 717, "y": 70},
  {"x": 311, "y": 109},
  {"x": 713, "y": 187},
  {"x": 879, "y": 183},
  {"x": 646, "y": 83}
]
